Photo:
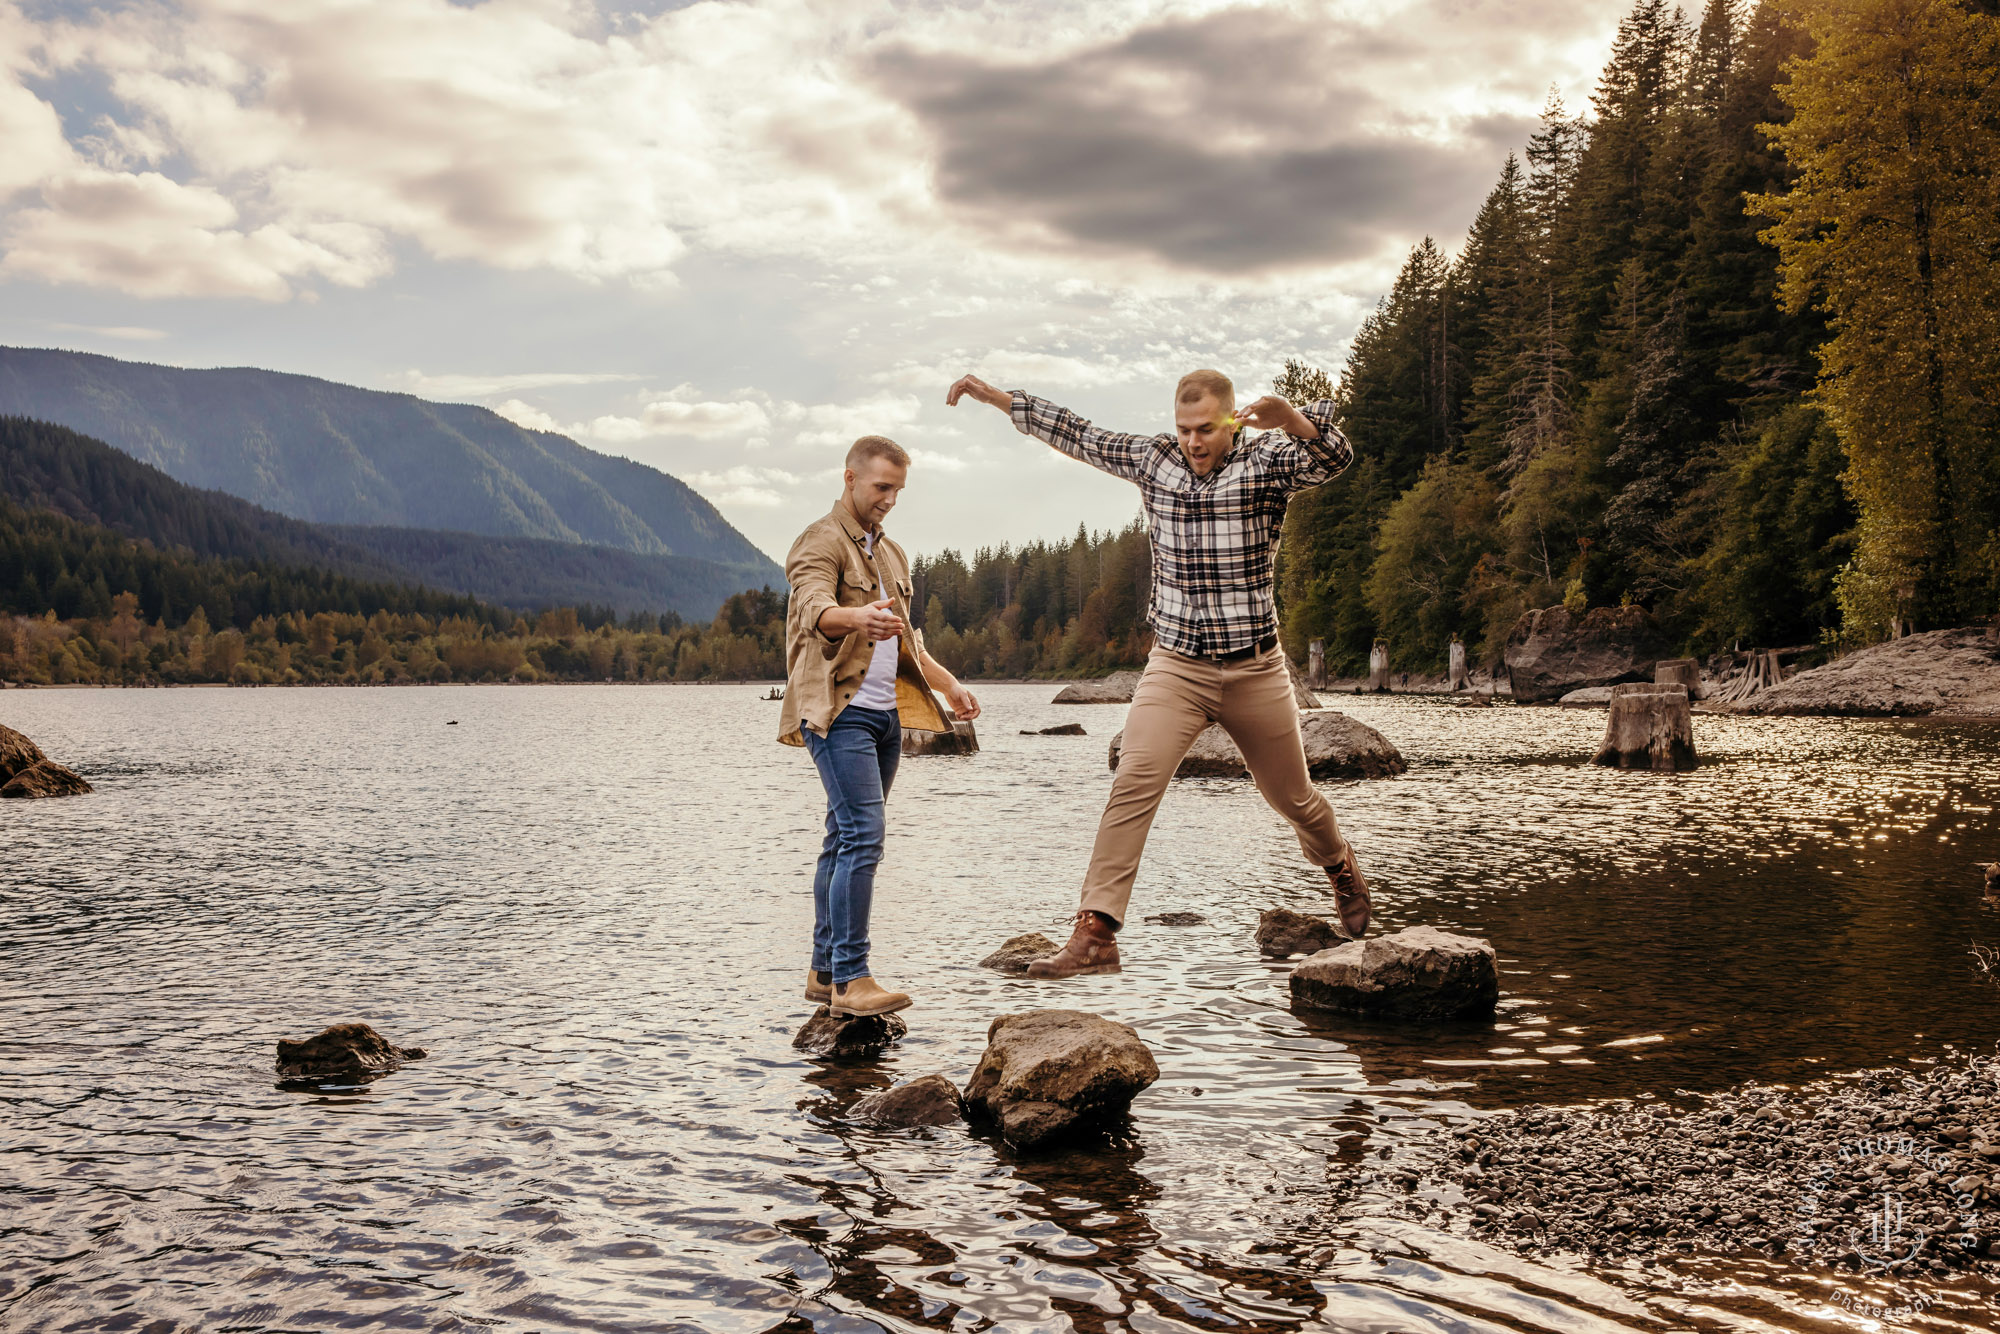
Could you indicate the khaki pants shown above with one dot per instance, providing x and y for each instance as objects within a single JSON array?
[{"x": 1177, "y": 697}]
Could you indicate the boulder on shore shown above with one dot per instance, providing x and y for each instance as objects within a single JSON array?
[
  {"x": 1282, "y": 933},
  {"x": 1417, "y": 973},
  {"x": 26, "y": 772},
  {"x": 1048, "y": 1074},
  {"x": 827, "y": 1034},
  {"x": 1943, "y": 673},
  {"x": 1553, "y": 651},
  {"x": 343, "y": 1050},
  {"x": 1336, "y": 747},
  {"x": 929, "y": 1100},
  {"x": 1017, "y": 952},
  {"x": 1116, "y": 688}
]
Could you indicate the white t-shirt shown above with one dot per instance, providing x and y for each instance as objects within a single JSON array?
[{"x": 878, "y": 688}]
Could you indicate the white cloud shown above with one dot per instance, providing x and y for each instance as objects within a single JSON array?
[
  {"x": 457, "y": 388},
  {"x": 131, "y": 333},
  {"x": 749, "y": 486}
]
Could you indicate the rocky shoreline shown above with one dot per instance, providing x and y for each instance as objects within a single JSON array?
[{"x": 1892, "y": 1172}]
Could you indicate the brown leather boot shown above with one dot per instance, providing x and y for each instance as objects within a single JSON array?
[
  {"x": 1092, "y": 948},
  {"x": 1350, "y": 895},
  {"x": 818, "y": 992},
  {"x": 862, "y": 997}
]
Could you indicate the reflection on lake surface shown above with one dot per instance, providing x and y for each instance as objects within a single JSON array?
[{"x": 592, "y": 905}]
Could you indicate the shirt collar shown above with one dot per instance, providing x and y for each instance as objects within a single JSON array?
[{"x": 852, "y": 526}]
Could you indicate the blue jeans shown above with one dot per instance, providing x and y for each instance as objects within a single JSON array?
[{"x": 857, "y": 761}]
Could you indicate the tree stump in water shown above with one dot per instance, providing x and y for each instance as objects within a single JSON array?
[
  {"x": 1679, "y": 672},
  {"x": 1316, "y": 664},
  {"x": 1378, "y": 667},
  {"x": 1456, "y": 678},
  {"x": 1760, "y": 673},
  {"x": 1650, "y": 727}
]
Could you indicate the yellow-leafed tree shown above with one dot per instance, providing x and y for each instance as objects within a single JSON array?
[{"x": 1892, "y": 228}]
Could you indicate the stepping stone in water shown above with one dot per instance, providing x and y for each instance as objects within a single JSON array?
[
  {"x": 929, "y": 1100},
  {"x": 826, "y": 1034},
  {"x": 342, "y": 1051},
  {"x": 1177, "y": 919},
  {"x": 1418, "y": 973},
  {"x": 1017, "y": 953},
  {"x": 1049, "y": 1075},
  {"x": 1282, "y": 933}
]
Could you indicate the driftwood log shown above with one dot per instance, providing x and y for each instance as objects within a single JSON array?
[{"x": 1650, "y": 727}]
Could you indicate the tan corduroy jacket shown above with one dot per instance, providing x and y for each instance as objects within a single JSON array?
[{"x": 829, "y": 567}]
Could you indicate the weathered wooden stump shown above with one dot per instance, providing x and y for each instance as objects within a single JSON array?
[
  {"x": 1316, "y": 664},
  {"x": 1650, "y": 727},
  {"x": 1378, "y": 667},
  {"x": 1679, "y": 672},
  {"x": 1455, "y": 673},
  {"x": 960, "y": 740}
]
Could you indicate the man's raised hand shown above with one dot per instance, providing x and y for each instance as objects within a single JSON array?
[
  {"x": 979, "y": 389},
  {"x": 1272, "y": 413}
]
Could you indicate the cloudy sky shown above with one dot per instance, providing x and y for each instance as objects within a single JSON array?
[{"x": 725, "y": 238}]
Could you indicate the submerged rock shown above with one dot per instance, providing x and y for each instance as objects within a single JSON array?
[
  {"x": 1049, "y": 1074},
  {"x": 929, "y": 1100},
  {"x": 47, "y": 779},
  {"x": 1116, "y": 688},
  {"x": 1282, "y": 932},
  {"x": 342, "y": 1050},
  {"x": 1417, "y": 973},
  {"x": 1947, "y": 673},
  {"x": 828, "y": 1034},
  {"x": 1553, "y": 651},
  {"x": 1017, "y": 952},
  {"x": 1065, "y": 729},
  {"x": 1336, "y": 747},
  {"x": 1176, "y": 919},
  {"x": 26, "y": 772},
  {"x": 1590, "y": 697}
]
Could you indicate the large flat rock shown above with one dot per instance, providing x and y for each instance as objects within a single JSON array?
[
  {"x": 1049, "y": 1074},
  {"x": 1336, "y": 745},
  {"x": 1417, "y": 973},
  {"x": 1116, "y": 688},
  {"x": 1946, "y": 673},
  {"x": 1552, "y": 652}
]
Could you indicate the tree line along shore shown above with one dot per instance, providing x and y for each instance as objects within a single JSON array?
[{"x": 1725, "y": 349}]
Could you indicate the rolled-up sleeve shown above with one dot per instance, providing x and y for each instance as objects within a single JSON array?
[
  {"x": 814, "y": 575},
  {"x": 1298, "y": 463},
  {"x": 1114, "y": 452}
]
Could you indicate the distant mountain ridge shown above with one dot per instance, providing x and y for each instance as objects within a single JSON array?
[
  {"x": 337, "y": 454},
  {"x": 49, "y": 467}
]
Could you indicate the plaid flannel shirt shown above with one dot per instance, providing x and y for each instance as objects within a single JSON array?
[{"x": 1213, "y": 537}]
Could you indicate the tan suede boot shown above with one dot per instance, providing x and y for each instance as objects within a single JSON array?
[
  {"x": 1350, "y": 895},
  {"x": 862, "y": 997},
  {"x": 1092, "y": 948},
  {"x": 818, "y": 992}
]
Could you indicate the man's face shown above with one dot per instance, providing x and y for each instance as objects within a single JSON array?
[
  {"x": 1205, "y": 433},
  {"x": 872, "y": 489}
]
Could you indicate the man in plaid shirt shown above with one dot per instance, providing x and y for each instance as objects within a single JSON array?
[{"x": 1215, "y": 500}]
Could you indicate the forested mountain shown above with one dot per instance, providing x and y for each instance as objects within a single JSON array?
[
  {"x": 334, "y": 453},
  {"x": 50, "y": 467},
  {"x": 1617, "y": 391}
]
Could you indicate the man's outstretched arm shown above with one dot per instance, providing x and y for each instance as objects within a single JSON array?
[
  {"x": 1311, "y": 448},
  {"x": 1114, "y": 452}
]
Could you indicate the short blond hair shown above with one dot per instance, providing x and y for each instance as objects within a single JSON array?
[
  {"x": 1197, "y": 385},
  {"x": 876, "y": 447}
]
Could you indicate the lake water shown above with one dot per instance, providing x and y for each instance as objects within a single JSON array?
[{"x": 591, "y": 904}]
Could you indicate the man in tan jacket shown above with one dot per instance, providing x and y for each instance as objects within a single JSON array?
[{"x": 857, "y": 674}]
